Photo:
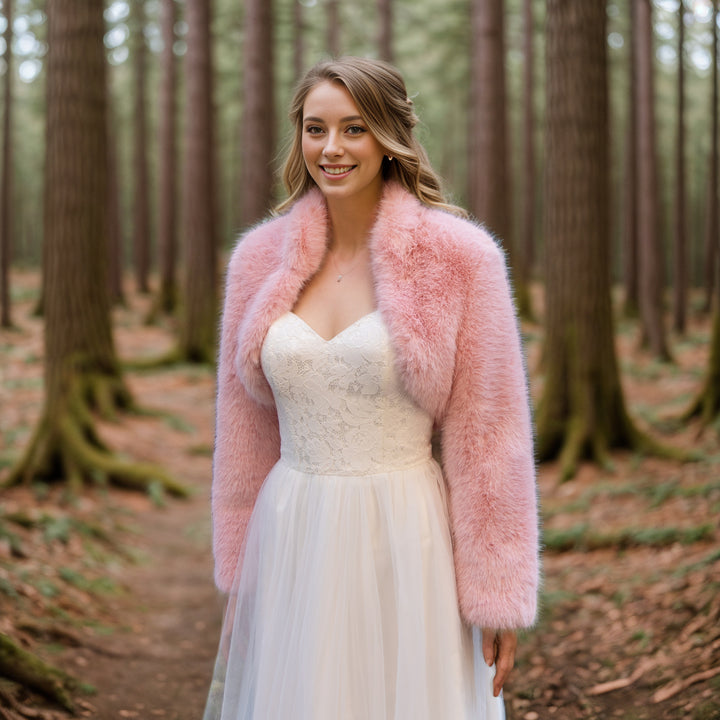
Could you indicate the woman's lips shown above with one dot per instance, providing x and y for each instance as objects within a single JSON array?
[{"x": 337, "y": 171}]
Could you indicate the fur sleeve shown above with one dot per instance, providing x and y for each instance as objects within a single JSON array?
[
  {"x": 246, "y": 433},
  {"x": 488, "y": 456}
]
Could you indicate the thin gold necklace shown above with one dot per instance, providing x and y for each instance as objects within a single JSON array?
[{"x": 341, "y": 273}]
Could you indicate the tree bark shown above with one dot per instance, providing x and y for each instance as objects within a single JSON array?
[
  {"x": 630, "y": 229},
  {"x": 81, "y": 370},
  {"x": 680, "y": 244},
  {"x": 385, "y": 36},
  {"x": 650, "y": 243},
  {"x": 333, "y": 28},
  {"x": 298, "y": 40},
  {"x": 488, "y": 169},
  {"x": 712, "y": 222},
  {"x": 167, "y": 142},
  {"x": 582, "y": 411},
  {"x": 526, "y": 254},
  {"x": 258, "y": 120},
  {"x": 199, "y": 317},
  {"x": 707, "y": 403},
  {"x": 115, "y": 216},
  {"x": 6, "y": 211},
  {"x": 141, "y": 183}
]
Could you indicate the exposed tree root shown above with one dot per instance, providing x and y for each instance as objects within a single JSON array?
[
  {"x": 706, "y": 405},
  {"x": 172, "y": 357},
  {"x": 577, "y": 440},
  {"x": 54, "y": 632},
  {"x": 29, "y": 670},
  {"x": 66, "y": 445}
]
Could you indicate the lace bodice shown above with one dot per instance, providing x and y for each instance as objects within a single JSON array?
[{"x": 341, "y": 407}]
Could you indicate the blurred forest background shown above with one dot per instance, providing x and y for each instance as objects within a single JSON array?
[{"x": 140, "y": 137}]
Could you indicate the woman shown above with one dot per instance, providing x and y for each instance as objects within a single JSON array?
[{"x": 368, "y": 314}]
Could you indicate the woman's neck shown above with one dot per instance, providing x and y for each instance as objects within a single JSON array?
[{"x": 350, "y": 224}]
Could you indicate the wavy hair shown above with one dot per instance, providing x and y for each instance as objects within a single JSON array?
[{"x": 378, "y": 90}]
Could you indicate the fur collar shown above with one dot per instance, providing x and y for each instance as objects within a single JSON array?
[{"x": 419, "y": 257}]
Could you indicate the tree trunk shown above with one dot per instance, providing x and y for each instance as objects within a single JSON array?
[
  {"x": 582, "y": 410},
  {"x": 333, "y": 28},
  {"x": 488, "y": 176},
  {"x": 115, "y": 216},
  {"x": 385, "y": 36},
  {"x": 81, "y": 370},
  {"x": 167, "y": 142},
  {"x": 630, "y": 229},
  {"x": 650, "y": 242},
  {"x": 680, "y": 245},
  {"x": 526, "y": 252},
  {"x": 6, "y": 224},
  {"x": 258, "y": 120},
  {"x": 707, "y": 403},
  {"x": 298, "y": 40},
  {"x": 141, "y": 189},
  {"x": 711, "y": 213},
  {"x": 199, "y": 317}
]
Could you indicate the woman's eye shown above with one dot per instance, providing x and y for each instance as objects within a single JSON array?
[
  {"x": 355, "y": 130},
  {"x": 313, "y": 130}
]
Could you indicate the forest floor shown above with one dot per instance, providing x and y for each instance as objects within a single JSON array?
[{"x": 116, "y": 587}]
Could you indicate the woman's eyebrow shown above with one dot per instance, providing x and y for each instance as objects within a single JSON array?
[{"x": 350, "y": 118}]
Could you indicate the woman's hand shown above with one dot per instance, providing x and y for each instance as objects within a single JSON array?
[{"x": 498, "y": 647}]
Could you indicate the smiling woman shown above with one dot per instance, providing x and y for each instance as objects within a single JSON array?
[
  {"x": 342, "y": 157},
  {"x": 365, "y": 581}
]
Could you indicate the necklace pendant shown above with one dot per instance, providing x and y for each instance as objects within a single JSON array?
[{"x": 339, "y": 278}]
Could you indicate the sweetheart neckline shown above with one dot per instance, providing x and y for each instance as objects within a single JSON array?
[{"x": 337, "y": 335}]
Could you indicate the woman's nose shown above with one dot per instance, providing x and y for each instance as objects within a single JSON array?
[{"x": 333, "y": 145}]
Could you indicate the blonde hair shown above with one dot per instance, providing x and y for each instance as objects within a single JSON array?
[{"x": 378, "y": 90}]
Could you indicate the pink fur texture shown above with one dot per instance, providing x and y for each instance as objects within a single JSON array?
[{"x": 441, "y": 287}]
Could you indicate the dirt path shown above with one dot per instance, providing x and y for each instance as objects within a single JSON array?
[
  {"x": 168, "y": 625},
  {"x": 168, "y": 618}
]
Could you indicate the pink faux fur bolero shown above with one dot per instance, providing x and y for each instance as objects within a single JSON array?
[{"x": 442, "y": 289}]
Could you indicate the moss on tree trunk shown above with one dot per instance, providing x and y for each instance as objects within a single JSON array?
[{"x": 30, "y": 671}]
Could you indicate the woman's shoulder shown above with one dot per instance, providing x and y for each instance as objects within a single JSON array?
[
  {"x": 460, "y": 239},
  {"x": 258, "y": 244}
]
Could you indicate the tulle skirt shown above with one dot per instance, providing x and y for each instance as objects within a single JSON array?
[{"x": 346, "y": 607}]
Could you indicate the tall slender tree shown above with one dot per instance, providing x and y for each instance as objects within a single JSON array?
[
  {"x": 385, "y": 35},
  {"x": 332, "y": 30},
  {"x": 81, "y": 370},
  {"x": 114, "y": 215},
  {"x": 526, "y": 245},
  {"x": 680, "y": 283},
  {"x": 298, "y": 40},
  {"x": 140, "y": 175},
  {"x": 258, "y": 119},
  {"x": 707, "y": 403},
  {"x": 488, "y": 169},
  {"x": 712, "y": 220},
  {"x": 582, "y": 410},
  {"x": 167, "y": 144},
  {"x": 199, "y": 316},
  {"x": 7, "y": 176},
  {"x": 650, "y": 242},
  {"x": 631, "y": 302}
]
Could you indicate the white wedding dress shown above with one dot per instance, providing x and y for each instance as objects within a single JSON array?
[{"x": 346, "y": 607}]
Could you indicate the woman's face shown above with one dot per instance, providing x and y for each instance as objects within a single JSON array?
[{"x": 341, "y": 154}]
